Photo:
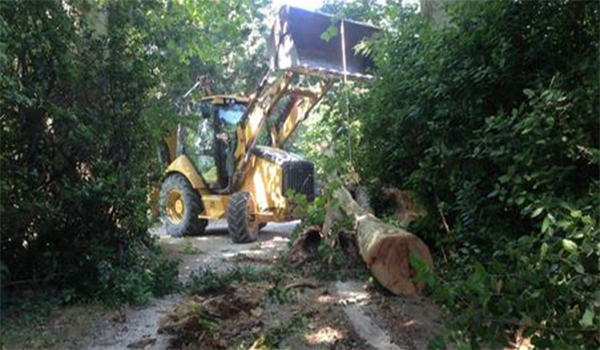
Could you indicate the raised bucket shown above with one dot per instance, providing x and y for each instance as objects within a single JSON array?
[{"x": 296, "y": 45}]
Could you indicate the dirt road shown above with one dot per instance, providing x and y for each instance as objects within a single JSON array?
[
  {"x": 334, "y": 315},
  {"x": 213, "y": 250}
]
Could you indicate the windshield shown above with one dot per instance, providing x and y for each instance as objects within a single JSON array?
[{"x": 230, "y": 115}]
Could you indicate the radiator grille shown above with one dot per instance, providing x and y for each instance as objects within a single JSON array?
[{"x": 298, "y": 176}]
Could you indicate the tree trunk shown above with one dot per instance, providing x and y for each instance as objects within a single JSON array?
[
  {"x": 386, "y": 249},
  {"x": 434, "y": 12}
]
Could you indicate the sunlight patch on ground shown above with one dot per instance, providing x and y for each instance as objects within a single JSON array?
[
  {"x": 276, "y": 242},
  {"x": 325, "y": 335},
  {"x": 351, "y": 296},
  {"x": 325, "y": 299}
]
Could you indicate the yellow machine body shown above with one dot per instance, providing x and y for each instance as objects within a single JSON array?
[
  {"x": 263, "y": 178},
  {"x": 226, "y": 172},
  {"x": 264, "y": 182}
]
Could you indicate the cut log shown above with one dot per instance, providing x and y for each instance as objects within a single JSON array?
[
  {"x": 305, "y": 247},
  {"x": 386, "y": 249},
  {"x": 407, "y": 208}
]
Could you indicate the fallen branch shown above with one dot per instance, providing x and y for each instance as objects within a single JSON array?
[
  {"x": 442, "y": 216},
  {"x": 302, "y": 283}
]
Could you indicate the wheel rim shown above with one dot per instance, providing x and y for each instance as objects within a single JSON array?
[{"x": 175, "y": 206}]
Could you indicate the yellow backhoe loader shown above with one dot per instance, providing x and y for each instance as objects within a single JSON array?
[{"x": 217, "y": 167}]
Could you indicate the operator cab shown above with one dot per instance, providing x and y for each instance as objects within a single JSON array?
[{"x": 208, "y": 138}]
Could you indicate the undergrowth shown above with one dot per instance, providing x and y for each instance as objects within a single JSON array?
[
  {"x": 274, "y": 337},
  {"x": 334, "y": 260},
  {"x": 206, "y": 280}
]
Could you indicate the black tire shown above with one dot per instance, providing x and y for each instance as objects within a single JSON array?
[
  {"x": 188, "y": 224},
  {"x": 239, "y": 223}
]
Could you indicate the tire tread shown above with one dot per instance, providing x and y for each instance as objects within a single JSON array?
[{"x": 237, "y": 219}]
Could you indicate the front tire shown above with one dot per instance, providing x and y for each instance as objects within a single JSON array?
[
  {"x": 241, "y": 226},
  {"x": 180, "y": 205}
]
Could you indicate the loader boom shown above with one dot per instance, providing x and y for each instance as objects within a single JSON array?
[
  {"x": 262, "y": 105},
  {"x": 297, "y": 48}
]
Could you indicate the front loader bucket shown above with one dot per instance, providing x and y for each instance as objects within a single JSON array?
[{"x": 296, "y": 45}]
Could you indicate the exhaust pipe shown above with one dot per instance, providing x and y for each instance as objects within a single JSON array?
[{"x": 296, "y": 45}]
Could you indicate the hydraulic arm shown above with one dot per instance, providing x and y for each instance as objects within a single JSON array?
[
  {"x": 301, "y": 102},
  {"x": 295, "y": 47}
]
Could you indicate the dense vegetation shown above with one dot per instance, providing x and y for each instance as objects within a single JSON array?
[
  {"x": 492, "y": 121},
  {"x": 88, "y": 89}
]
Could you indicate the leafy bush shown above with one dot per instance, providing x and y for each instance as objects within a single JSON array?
[
  {"x": 75, "y": 152},
  {"x": 493, "y": 121},
  {"x": 206, "y": 280},
  {"x": 88, "y": 92}
]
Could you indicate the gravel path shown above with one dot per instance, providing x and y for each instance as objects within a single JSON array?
[{"x": 213, "y": 250}]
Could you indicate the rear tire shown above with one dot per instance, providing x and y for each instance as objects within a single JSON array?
[
  {"x": 180, "y": 205},
  {"x": 241, "y": 227}
]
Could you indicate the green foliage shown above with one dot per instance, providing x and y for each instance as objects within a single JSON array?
[
  {"x": 89, "y": 88},
  {"x": 218, "y": 43},
  {"x": 280, "y": 295},
  {"x": 189, "y": 249},
  {"x": 136, "y": 286},
  {"x": 312, "y": 213},
  {"x": 494, "y": 121},
  {"x": 273, "y": 337},
  {"x": 206, "y": 280}
]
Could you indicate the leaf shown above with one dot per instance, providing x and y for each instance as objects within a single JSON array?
[
  {"x": 544, "y": 250},
  {"x": 576, "y": 213},
  {"x": 330, "y": 33},
  {"x": 537, "y": 212},
  {"x": 569, "y": 245},
  {"x": 529, "y": 93},
  {"x": 504, "y": 178},
  {"x": 588, "y": 318},
  {"x": 420, "y": 266},
  {"x": 546, "y": 224}
]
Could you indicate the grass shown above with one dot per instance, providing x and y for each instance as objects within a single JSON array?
[
  {"x": 189, "y": 249},
  {"x": 273, "y": 337},
  {"x": 206, "y": 280},
  {"x": 42, "y": 321}
]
